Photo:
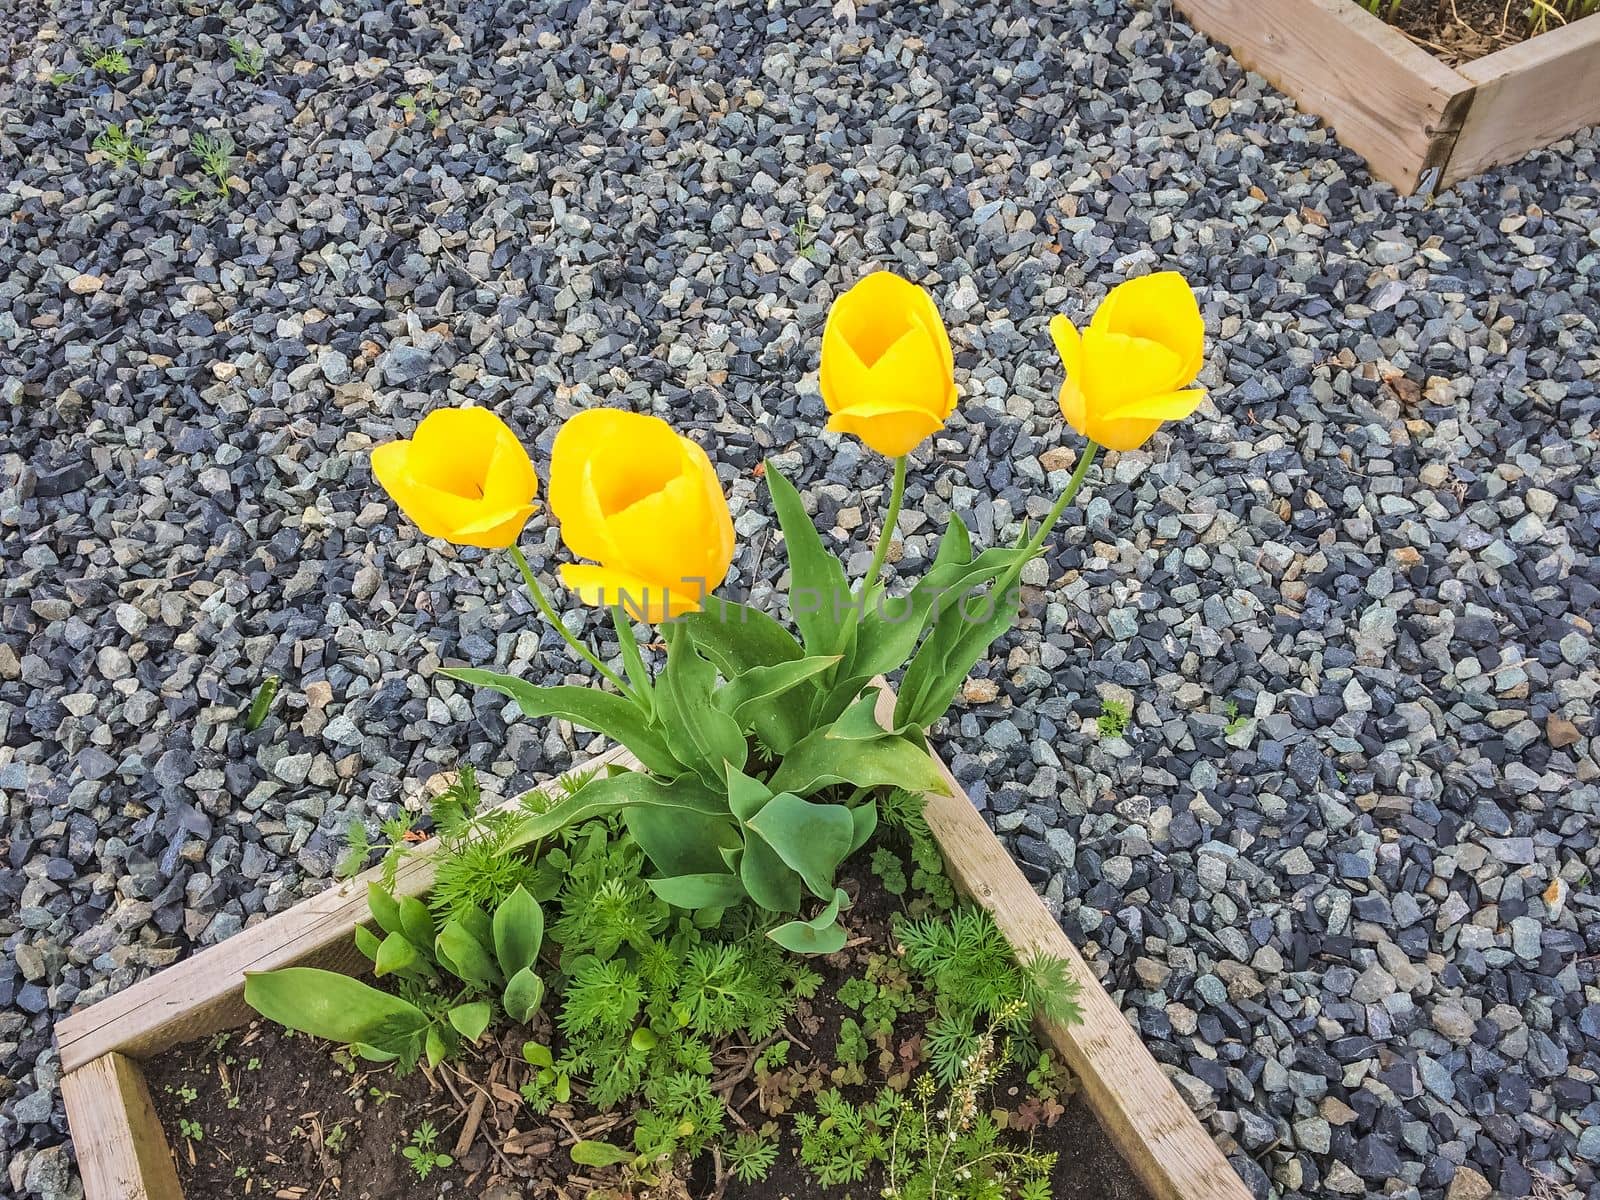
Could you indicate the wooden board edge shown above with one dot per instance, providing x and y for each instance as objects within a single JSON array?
[
  {"x": 1152, "y": 1127},
  {"x": 1409, "y": 82},
  {"x": 204, "y": 993},
  {"x": 122, "y": 1150},
  {"x": 1554, "y": 44},
  {"x": 1527, "y": 97}
]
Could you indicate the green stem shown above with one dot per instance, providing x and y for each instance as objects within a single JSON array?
[
  {"x": 897, "y": 495},
  {"x": 554, "y": 618},
  {"x": 1079, "y": 474}
]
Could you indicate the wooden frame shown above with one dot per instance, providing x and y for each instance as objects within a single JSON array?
[
  {"x": 123, "y": 1153},
  {"x": 1420, "y": 124}
]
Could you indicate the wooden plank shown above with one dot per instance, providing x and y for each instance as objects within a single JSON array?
[
  {"x": 122, "y": 1149},
  {"x": 205, "y": 993},
  {"x": 1385, "y": 97},
  {"x": 1528, "y": 96},
  {"x": 1156, "y": 1133}
]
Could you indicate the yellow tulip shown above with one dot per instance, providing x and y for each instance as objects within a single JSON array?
[
  {"x": 462, "y": 476},
  {"x": 642, "y": 502},
  {"x": 1145, "y": 342},
  {"x": 887, "y": 373}
]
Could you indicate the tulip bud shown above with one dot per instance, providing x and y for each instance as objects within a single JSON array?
[
  {"x": 887, "y": 373},
  {"x": 1145, "y": 342},
  {"x": 462, "y": 476},
  {"x": 644, "y": 503}
]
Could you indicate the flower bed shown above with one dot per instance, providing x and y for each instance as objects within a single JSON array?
[
  {"x": 1421, "y": 125},
  {"x": 617, "y": 969}
]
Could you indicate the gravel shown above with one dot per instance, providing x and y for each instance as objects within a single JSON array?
[{"x": 1339, "y": 867}]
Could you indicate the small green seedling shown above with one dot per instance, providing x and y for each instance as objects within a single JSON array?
[
  {"x": 1236, "y": 723},
  {"x": 424, "y": 1159},
  {"x": 62, "y": 78},
  {"x": 1113, "y": 719},
  {"x": 249, "y": 61},
  {"x": 424, "y": 102},
  {"x": 805, "y": 238},
  {"x": 111, "y": 61},
  {"x": 265, "y": 694},
  {"x": 191, "y": 1130},
  {"x": 334, "y": 1139},
  {"x": 118, "y": 148},
  {"x": 216, "y": 160}
]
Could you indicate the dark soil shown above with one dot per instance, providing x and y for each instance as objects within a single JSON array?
[
  {"x": 267, "y": 1128},
  {"x": 1458, "y": 31}
]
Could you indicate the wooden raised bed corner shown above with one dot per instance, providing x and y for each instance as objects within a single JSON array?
[
  {"x": 123, "y": 1153},
  {"x": 1421, "y": 125}
]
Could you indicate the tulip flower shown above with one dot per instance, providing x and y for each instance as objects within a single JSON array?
[
  {"x": 1124, "y": 373},
  {"x": 462, "y": 476},
  {"x": 643, "y": 503},
  {"x": 887, "y": 373}
]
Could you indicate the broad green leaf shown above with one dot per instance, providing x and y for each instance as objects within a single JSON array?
[
  {"x": 892, "y": 761},
  {"x": 599, "y": 1154},
  {"x": 699, "y": 891},
  {"x": 700, "y": 734},
  {"x": 820, "y": 935},
  {"x": 518, "y": 931},
  {"x": 524, "y": 994},
  {"x": 865, "y": 818},
  {"x": 680, "y": 843},
  {"x": 859, "y": 721},
  {"x": 604, "y": 712},
  {"x": 438, "y": 1045},
  {"x": 470, "y": 1020},
  {"x": 765, "y": 699},
  {"x": 819, "y": 596},
  {"x": 812, "y": 839},
  {"x": 367, "y": 942},
  {"x": 768, "y": 880},
  {"x": 396, "y": 956},
  {"x": 476, "y": 922},
  {"x": 466, "y": 957},
  {"x": 746, "y": 796},
  {"x": 737, "y": 637},
  {"x": 537, "y": 1054},
  {"x": 384, "y": 907},
  {"x": 617, "y": 793},
  {"x": 328, "y": 1005},
  {"x": 416, "y": 922}
]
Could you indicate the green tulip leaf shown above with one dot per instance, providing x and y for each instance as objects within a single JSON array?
[
  {"x": 759, "y": 699},
  {"x": 820, "y": 935},
  {"x": 770, "y": 882},
  {"x": 470, "y": 1020},
  {"x": 438, "y": 1045},
  {"x": 699, "y": 891},
  {"x": 632, "y": 660},
  {"x": 681, "y": 843},
  {"x": 746, "y": 796},
  {"x": 524, "y": 993},
  {"x": 328, "y": 1005},
  {"x": 367, "y": 942},
  {"x": 811, "y": 839},
  {"x": 701, "y": 735},
  {"x": 604, "y": 712},
  {"x": 891, "y": 761},
  {"x": 865, "y": 818},
  {"x": 518, "y": 931},
  {"x": 738, "y": 638},
  {"x": 618, "y": 793},
  {"x": 820, "y": 602}
]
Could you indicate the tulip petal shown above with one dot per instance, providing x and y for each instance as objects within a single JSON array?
[
  {"x": 667, "y": 538},
  {"x": 494, "y": 530},
  {"x": 1118, "y": 369},
  {"x": 1073, "y": 408},
  {"x": 1158, "y": 308},
  {"x": 601, "y": 587},
  {"x": 437, "y": 513},
  {"x": 1069, "y": 345},
  {"x": 1173, "y": 406},
  {"x": 892, "y": 432},
  {"x": 1124, "y": 435},
  {"x": 875, "y": 314},
  {"x": 452, "y": 447},
  {"x": 603, "y": 459}
]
